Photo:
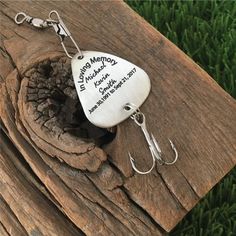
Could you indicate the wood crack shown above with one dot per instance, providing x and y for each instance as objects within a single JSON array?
[
  {"x": 105, "y": 197},
  {"x": 13, "y": 221},
  {"x": 24, "y": 168},
  {"x": 4, "y": 228},
  {"x": 104, "y": 209},
  {"x": 176, "y": 200},
  {"x": 142, "y": 209},
  {"x": 21, "y": 36},
  {"x": 9, "y": 57},
  {"x": 5, "y": 14},
  {"x": 189, "y": 184}
]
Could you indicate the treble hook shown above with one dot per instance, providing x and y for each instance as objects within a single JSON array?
[{"x": 140, "y": 120}]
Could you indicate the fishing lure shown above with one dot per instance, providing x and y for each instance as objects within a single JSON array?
[{"x": 110, "y": 88}]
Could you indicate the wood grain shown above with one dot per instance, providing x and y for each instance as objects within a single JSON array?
[{"x": 79, "y": 177}]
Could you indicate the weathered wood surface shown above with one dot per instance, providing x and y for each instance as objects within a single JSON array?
[{"x": 60, "y": 175}]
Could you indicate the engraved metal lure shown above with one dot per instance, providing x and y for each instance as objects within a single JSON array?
[{"x": 110, "y": 88}]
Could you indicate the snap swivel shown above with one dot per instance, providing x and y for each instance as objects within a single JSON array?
[
  {"x": 58, "y": 25},
  {"x": 140, "y": 120}
]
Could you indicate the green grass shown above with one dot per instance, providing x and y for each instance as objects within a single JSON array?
[{"x": 206, "y": 31}]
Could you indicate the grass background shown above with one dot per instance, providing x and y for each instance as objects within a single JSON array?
[{"x": 206, "y": 31}]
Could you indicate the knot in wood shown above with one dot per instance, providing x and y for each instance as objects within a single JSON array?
[
  {"x": 52, "y": 94},
  {"x": 54, "y": 118}
]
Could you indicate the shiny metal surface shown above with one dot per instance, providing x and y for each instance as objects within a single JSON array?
[{"x": 105, "y": 83}]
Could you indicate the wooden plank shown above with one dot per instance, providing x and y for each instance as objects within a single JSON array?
[
  {"x": 24, "y": 210},
  {"x": 185, "y": 105},
  {"x": 9, "y": 221}
]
